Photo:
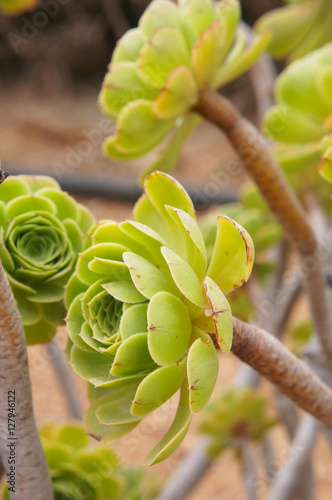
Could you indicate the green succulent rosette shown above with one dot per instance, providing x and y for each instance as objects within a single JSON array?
[
  {"x": 301, "y": 121},
  {"x": 159, "y": 69},
  {"x": 143, "y": 306},
  {"x": 17, "y": 7},
  {"x": 42, "y": 231},
  {"x": 238, "y": 415},
  {"x": 82, "y": 470},
  {"x": 298, "y": 28}
]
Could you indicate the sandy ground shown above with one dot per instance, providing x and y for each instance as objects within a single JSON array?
[{"x": 39, "y": 132}]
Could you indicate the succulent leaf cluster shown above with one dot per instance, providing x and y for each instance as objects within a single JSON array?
[
  {"x": 17, "y": 7},
  {"x": 252, "y": 212},
  {"x": 159, "y": 69},
  {"x": 82, "y": 470},
  {"x": 301, "y": 121},
  {"x": 298, "y": 28},
  {"x": 42, "y": 231},
  {"x": 143, "y": 306},
  {"x": 238, "y": 415}
]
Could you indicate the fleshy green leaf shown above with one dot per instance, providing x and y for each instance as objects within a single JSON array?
[
  {"x": 65, "y": 204},
  {"x": 290, "y": 26},
  {"x": 124, "y": 291},
  {"x": 105, "y": 432},
  {"x": 89, "y": 365},
  {"x": 163, "y": 189},
  {"x": 233, "y": 255},
  {"x": 325, "y": 82},
  {"x": 117, "y": 412},
  {"x": 179, "y": 94},
  {"x": 121, "y": 86},
  {"x": 13, "y": 188},
  {"x": 29, "y": 203},
  {"x": 111, "y": 251},
  {"x": 245, "y": 61},
  {"x": 110, "y": 149},
  {"x": 288, "y": 125},
  {"x": 129, "y": 46},
  {"x": 169, "y": 328},
  {"x": 138, "y": 130},
  {"x": 230, "y": 16},
  {"x": 132, "y": 356},
  {"x": 297, "y": 82},
  {"x": 207, "y": 54},
  {"x": 184, "y": 276},
  {"x": 221, "y": 314},
  {"x": 166, "y": 50},
  {"x": 147, "y": 278},
  {"x": 158, "y": 14},
  {"x": 157, "y": 387},
  {"x": 134, "y": 320},
  {"x": 200, "y": 14},
  {"x": 174, "y": 437},
  {"x": 202, "y": 369}
]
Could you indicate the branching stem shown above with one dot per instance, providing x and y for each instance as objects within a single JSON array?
[
  {"x": 253, "y": 148},
  {"x": 272, "y": 360},
  {"x": 32, "y": 479}
]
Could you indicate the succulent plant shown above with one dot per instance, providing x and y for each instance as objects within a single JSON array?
[
  {"x": 42, "y": 231},
  {"x": 143, "y": 307},
  {"x": 82, "y": 470},
  {"x": 301, "y": 122},
  {"x": 237, "y": 415},
  {"x": 17, "y": 7},
  {"x": 298, "y": 28},
  {"x": 252, "y": 212},
  {"x": 159, "y": 69}
]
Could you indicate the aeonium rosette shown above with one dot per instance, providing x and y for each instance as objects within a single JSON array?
[
  {"x": 42, "y": 231},
  {"x": 237, "y": 416},
  {"x": 159, "y": 69},
  {"x": 298, "y": 28},
  {"x": 143, "y": 307},
  {"x": 301, "y": 121}
]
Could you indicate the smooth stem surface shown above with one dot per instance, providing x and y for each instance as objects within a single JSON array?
[
  {"x": 32, "y": 479},
  {"x": 272, "y": 360},
  {"x": 252, "y": 147}
]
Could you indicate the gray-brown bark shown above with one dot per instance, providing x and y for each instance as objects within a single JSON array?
[
  {"x": 32, "y": 480},
  {"x": 272, "y": 360},
  {"x": 253, "y": 148}
]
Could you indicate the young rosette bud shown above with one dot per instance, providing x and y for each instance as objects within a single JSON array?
[
  {"x": 235, "y": 417},
  {"x": 301, "y": 122},
  {"x": 80, "y": 470},
  {"x": 159, "y": 69},
  {"x": 299, "y": 28},
  {"x": 42, "y": 231},
  {"x": 142, "y": 309}
]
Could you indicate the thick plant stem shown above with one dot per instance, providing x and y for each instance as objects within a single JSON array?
[
  {"x": 272, "y": 360},
  {"x": 252, "y": 147},
  {"x": 31, "y": 478}
]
